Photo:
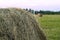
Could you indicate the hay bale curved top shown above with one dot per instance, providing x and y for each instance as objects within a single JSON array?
[{"x": 18, "y": 24}]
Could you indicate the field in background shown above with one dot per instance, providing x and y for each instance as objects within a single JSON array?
[{"x": 51, "y": 26}]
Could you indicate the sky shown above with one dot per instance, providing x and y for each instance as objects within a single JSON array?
[{"x": 53, "y": 5}]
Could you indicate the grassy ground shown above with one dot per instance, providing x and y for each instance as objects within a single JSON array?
[{"x": 51, "y": 26}]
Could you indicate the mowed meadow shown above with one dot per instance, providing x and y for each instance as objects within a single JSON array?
[{"x": 51, "y": 26}]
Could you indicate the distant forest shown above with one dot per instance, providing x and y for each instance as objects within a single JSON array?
[{"x": 43, "y": 12}]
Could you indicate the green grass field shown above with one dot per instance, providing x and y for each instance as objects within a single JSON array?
[{"x": 51, "y": 26}]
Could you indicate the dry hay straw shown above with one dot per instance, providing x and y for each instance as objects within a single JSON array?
[{"x": 18, "y": 24}]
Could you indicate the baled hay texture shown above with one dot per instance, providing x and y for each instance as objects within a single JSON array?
[{"x": 18, "y": 24}]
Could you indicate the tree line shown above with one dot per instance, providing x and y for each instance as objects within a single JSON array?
[{"x": 42, "y": 12}]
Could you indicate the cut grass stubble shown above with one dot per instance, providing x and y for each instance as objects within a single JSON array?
[{"x": 51, "y": 26}]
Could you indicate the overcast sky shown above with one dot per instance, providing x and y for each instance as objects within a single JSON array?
[{"x": 33, "y": 4}]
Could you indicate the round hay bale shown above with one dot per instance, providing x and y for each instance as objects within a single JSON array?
[
  {"x": 19, "y": 25},
  {"x": 40, "y": 15}
]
